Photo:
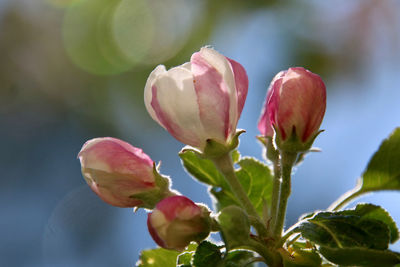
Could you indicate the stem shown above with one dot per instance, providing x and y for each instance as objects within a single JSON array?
[
  {"x": 225, "y": 165},
  {"x": 288, "y": 244},
  {"x": 271, "y": 259},
  {"x": 291, "y": 231},
  {"x": 287, "y": 161},
  {"x": 346, "y": 198},
  {"x": 275, "y": 195}
]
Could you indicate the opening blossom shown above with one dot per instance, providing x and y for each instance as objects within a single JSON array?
[
  {"x": 295, "y": 103},
  {"x": 199, "y": 100},
  {"x": 176, "y": 221},
  {"x": 116, "y": 171}
]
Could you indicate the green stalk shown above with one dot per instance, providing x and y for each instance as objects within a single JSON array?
[
  {"x": 272, "y": 259},
  {"x": 275, "y": 196},
  {"x": 287, "y": 161},
  {"x": 225, "y": 165},
  {"x": 346, "y": 198}
]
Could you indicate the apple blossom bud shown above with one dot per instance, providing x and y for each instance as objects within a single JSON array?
[
  {"x": 296, "y": 104},
  {"x": 176, "y": 221},
  {"x": 264, "y": 123},
  {"x": 120, "y": 174},
  {"x": 199, "y": 100}
]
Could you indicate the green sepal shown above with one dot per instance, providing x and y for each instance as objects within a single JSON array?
[
  {"x": 215, "y": 149},
  {"x": 302, "y": 155},
  {"x": 271, "y": 151},
  {"x": 263, "y": 139},
  {"x": 293, "y": 143},
  {"x": 151, "y": 197},
  {"x": 235, "y": 226}
]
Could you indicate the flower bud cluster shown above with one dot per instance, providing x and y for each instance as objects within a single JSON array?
[
  {"x": 199, "y": 103},
  {"x": 124, "y": 176}
]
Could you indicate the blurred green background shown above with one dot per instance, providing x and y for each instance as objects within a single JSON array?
[{"x": 71, "y": 70}]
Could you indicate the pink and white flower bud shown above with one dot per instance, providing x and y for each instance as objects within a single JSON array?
[
  {"x": 199, "y": 100},
  {"x": 176, "y": 221},
  {"x": 296, "y": 104},
  {"x": 264, "y": 124},
  {"x": 116, "y": 171}
]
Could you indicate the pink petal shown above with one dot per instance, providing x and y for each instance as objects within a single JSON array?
[
  {"x": 264, "y": 123},
  {"x": 154, "y": 234},
  {"x": 213, "y": 98},
  {"x": 273, "y": 105},
  {"x": 171, "y": 207},
  {"x": 114, "y": 154},
  {"x": 241, "y": 82}
]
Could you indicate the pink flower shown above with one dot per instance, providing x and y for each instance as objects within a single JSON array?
[
  {"x": 176, "y": 221},
  {"x": 296, "y": 103},
  {"x": 116, "y": 171},
  {"x": 199, "y": 100}
]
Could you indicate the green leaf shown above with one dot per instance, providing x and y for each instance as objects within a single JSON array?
[
  {"x": 235, "y": 156},
  {"x": 185, "y": 258},
  {"x": 223, "y": 197},
  {"x": 257, "y": 180},
  {"x": 202, "y": 169},
  {"x": 238, "y": 258},
  {"x": 360, "y": 256},
  {"x": 346, "y": 229},
  {"x": 383, "y": 170},
  {"x": 378, "y": 213},
  {"x": 207, "y": 254},
  {"x": 162, "y": 257},
  {"x": 235, "y": 226},
  {"x": 158, "y": 257},
  {"x": 254, "y": 176},
  {"x": 300, "y": 257}
]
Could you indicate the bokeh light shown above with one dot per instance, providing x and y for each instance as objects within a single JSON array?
[
  {"x": 158, "y": 29},
  {"x": 109, "y": 37},
  {"x": 61, "y": 3},
  {"x": 88, "y": 38}
]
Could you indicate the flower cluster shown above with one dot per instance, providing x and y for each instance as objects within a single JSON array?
[{"x": 199, "y": 103}]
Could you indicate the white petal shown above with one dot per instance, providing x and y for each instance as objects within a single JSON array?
[
  {"x": 160, "y": 69},
  {"x": 177, "y": 97}
]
